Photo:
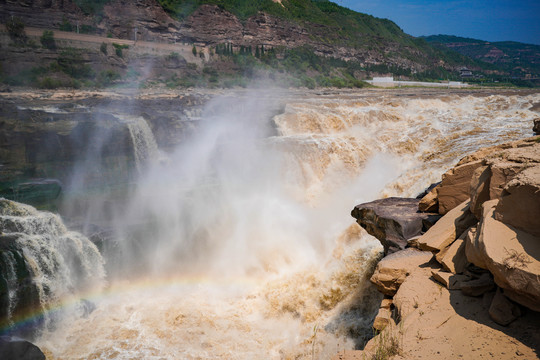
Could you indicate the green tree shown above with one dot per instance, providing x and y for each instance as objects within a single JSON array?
[
  {"x": 15, "y": 28},
  {"x": 66, "y": 25},
  {"x": 194, "y": 50},
  {"x": 103, "y": 48},
  {"x": 47, "y": 40}
]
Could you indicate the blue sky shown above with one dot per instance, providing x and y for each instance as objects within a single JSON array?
[{"x": 491, "y": 20}]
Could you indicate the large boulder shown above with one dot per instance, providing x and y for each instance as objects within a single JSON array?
[
  {"x": 502, "y": 310},
  {"x": 536, "y": 126},
  {"x": 19, "y": 349},
  {"x": 429, "y": 202},
  {"x": 455, "y": 186},
  {"x": 447, "y": 229},
  {"x": 392, "y": 270},
  {"x": 510, "y": 254},
  {"x": 392, "y": 220},
  {"x": 41, "y": 261},
  {"x": 520, "y": 202},
  {"x": 33, "y": 191},
  {"x": 479, "y": 189},
  {"x": 453, "y": 258},
  {"x": 483, "y": 175}
]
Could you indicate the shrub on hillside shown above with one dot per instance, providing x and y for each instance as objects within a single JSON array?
[
  {"x": 15, "y": 28},
  {"x": 118, "y": 49},
  {"x": 47, "y": 40}
]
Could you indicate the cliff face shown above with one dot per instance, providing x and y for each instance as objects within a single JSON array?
[
  {"x": 479, "y": 262},
  {"x": 145, "y": 18},
  {"x": 208, "y": 25},
  {"x": 47, "y": 14}
]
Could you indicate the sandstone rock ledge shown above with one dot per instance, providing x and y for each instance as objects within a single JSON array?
[{"x": 471, "y": 289}]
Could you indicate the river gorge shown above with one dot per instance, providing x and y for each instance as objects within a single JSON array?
[{"x": 216, "y": 224}]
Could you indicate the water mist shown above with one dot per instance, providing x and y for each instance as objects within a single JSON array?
[{"x": 237, "y": 243}]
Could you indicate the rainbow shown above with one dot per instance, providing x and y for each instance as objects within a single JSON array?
[{"x": 29, "y": 320}]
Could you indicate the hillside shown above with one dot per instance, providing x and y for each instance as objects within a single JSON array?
[
  {"x": 518, "y": 59},
  {"x": 304, "y": 42}
]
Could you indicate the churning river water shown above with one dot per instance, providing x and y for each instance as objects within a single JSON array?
[{"x": 248, "y": 250}]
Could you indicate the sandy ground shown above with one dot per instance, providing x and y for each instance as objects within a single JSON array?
[{"x": 455, "y": 326}]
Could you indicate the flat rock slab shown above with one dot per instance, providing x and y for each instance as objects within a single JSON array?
[
  {"x": 448, "y": 228},
  {"x": 392, "y": 270},
  {"x": 392, "y": 220}
]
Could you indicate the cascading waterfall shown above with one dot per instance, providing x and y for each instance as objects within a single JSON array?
[
  {"x": 43, "y": 264},
  {"x": 239, "y": 244},
  {"x": 144, "y": 144}
]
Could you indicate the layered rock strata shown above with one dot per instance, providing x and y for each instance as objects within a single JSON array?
[{"x": 481, "y": 261}]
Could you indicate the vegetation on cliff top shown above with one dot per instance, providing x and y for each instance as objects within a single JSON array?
[{"x": 517, "y": 59}]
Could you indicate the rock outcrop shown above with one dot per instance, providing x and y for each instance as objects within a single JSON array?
[
  {"x": 392, "y": 270},
  {"x": 14, "y": 348},
  {"x": 487, "y": 258},
  {"x": 484, "y": 174},
  {"x": 394, "y": 221},
  {"x": 138, "y": 20},
  {"x": 48, "y": 14},
  {"x": 447, "y": 229},
  {"x": 511, "y": 255},
  {"x": 37, "y": 251}
]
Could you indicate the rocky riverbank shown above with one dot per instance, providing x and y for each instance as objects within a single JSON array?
[{"x": 468, "y": 286}]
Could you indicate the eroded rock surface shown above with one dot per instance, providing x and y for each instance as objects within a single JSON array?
[
  {"x": 511, "y": 255},
  {"x": 394, "y": 268},
  {"x": 447, "y": 229},
  {"x": 392, "y": 220}
]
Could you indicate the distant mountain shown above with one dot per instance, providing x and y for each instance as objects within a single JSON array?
[
  {"x": 518, "y": 59},
  {"x": 314, "y": 42}
]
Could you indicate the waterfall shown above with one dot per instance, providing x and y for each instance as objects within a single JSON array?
[
  {"x": 144, "y": 144},
  {"x": 241, "y": 246},
  {"x": 43, "y": 264}
]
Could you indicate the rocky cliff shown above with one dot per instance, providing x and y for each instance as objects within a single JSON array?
[
  {"x": 479, "y": 262},
  {"x": 47, "y": 140},
  {"x": 368, "y": 41},
  {"x": 47, "y": 14}
]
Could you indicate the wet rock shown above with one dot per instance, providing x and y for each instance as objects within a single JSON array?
[
  {"x": 502, "y": 310},
  {"x": 536, "y": 126},
  {"x": 87, "y": 307},
  {"x": 478, "y": 287},
  {"x": 447, "y": 229},
  {"x": 38, "y": 254},
  {"x": 392, "y": 270},
  {"x": 34, "y": 191},
  {"x": 19, "y": 349},
  {"x": 392, "y": 220}
]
